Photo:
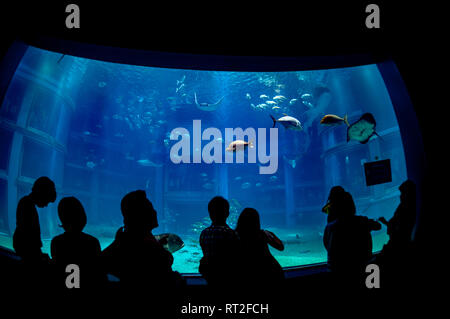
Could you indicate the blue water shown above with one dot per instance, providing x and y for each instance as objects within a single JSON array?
[{"x": 100, "y": 130}]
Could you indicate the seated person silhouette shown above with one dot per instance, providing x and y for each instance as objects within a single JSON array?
[
  {"x": 400, "y": 226},
  {"x": 27, "y": 235},
  {"x": 135, "y": 256},
  {"x": 221, "y": 248},
  {"x": 261, "y": 268},
  {"x": 76, "y": 247},
  {"x": 348, "y": 241}
]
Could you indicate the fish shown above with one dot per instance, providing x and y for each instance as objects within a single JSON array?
[
  {"x": 171, "y": 242},
  {"x": 308, "y": 104},
  {"x": 271, "y": 103},
  {"x": 275, "y": 107},
  {"x": 246, "y": 185},
  {"x": 332, "y": 120},
  {"x": 273, "y": 178},
  {"x": 289, "y": 122},
  {"x": 237, "y": 178},
  {"x": 291, "y": 102},
  {"x": 306, "y": 96},
  {"x": 363, "y": 129},
  {"x": 248, "y": 96},
  {"x": 292, "y": 162},
  {"x": 148, "y": 163},
  {"x": 181, "y": 81},
  {"x": 179, "y": 88},
  {"x": 258, "y": 184},
  {"x": 279, "y": 98},
  {"x": 207, "y": 106},
  {"x": 203, "y": 174},
  {"x": 90, "y": 164},
  {"x": 263, "y": 96},
  {"x": 239, "y": 145}
]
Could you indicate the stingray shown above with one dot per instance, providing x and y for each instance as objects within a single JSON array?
[
  {"x": 363, "y": 129},
  {"x": 207, "y": 106},
  {"x": 171, "y": 242}
]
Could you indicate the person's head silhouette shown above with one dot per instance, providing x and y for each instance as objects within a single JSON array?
[
  {"x": 43, "y": 191},
  {"x": 72, "y": 214},
  {"x": 219, "y": 210},
  {"x": 138, "y": 212},
  {"x": 248, "y": 222},
  {"x": 343, "y": 205}
]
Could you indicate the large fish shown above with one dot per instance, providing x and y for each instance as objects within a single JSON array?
[
  {"x": 363, "y": 129},
  {"x": 238, "y": 145},
  {"x": 331, "y": 120},
  {"x": 170, "y": 242},
  {"x": 289, "y": 122}
]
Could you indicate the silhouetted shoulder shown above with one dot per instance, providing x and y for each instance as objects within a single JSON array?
[{"x": 25, "y": 210}]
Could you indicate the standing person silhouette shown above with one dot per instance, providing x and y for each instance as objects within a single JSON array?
[
  {"x": 27, "y": 235},
  {"x": 348, "y": 241},
  {"x": 400, "y": 226},
  {"x": 396, "y": 256}
]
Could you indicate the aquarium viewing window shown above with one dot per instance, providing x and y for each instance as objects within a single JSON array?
[{"x": 102, "y": 129}]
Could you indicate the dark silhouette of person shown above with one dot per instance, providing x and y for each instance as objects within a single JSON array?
[
  {"x": 27, "y": 235},
  {"x": 76, "y": 247},
  {"x": 262, "y": 270},
  {"x": 220, "y": 264},
  {"x": 335, "y": 193},
  {"x": 400, "y": 226},
  {"x": 397, "y": 252},
  {"x": 348, "y": 241},
  {"x": 135, "y": 256}
]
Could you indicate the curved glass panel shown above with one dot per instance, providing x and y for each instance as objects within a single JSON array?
[{"x": 100, "y": 130}]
